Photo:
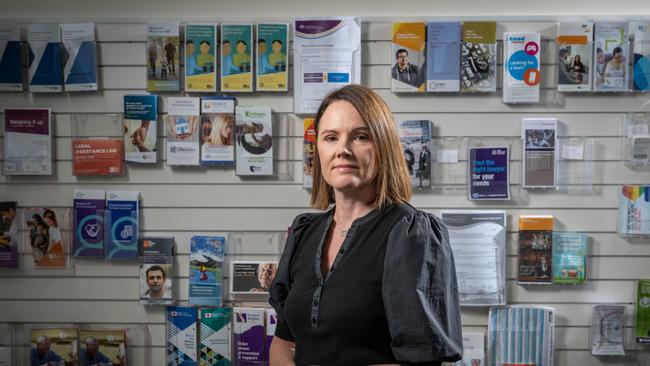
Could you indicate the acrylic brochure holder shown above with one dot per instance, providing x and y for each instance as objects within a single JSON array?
[
  {"x": 574, "y": 163},
  {"x": 46, "y": 242},
  {"x": 285, "y": 151},
  {"x": 8, "y": 346},
  {"x": 250, "y": 247},
  {"x": 97, "y": 145},
  {"x": 449, "y": 171},
  {"x": 635, "y": 140},
  {"x": 136, "y": 348}
]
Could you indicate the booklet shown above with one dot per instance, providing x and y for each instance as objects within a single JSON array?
[
  {"x": 478, "y": 240},
  {"x": 249, "y": 336},
  {"x": 532, "y": 322},
  {"x": 28, "y": 141},
  {"x": 607, "y": 330},
  {"x": 45, "y": 58},
  {"x": 236, "y": 57},
  {"x": 478, "y": 60},
  {"x": 181, "y": 336},
  {"x": 200, "y": 58},
  {"x": 489, "y": 178},
  {"x": 417, "y": 145},
  {"x": 8, "y": 235},
  {"x": 443, "y": 56},
  {"x": 157, "y": 271},
  {"x": 183, "y": 130},
  {"x": 206, "y": 270},
  {"x": 80, "y": 70},
  {"x": 642, "y": 322},
  {"x": 634, "y": 210},
  {"x": 217, "y": 131},
  {"x": 539, "y": 136},
  {"x": 215, "y": 346},
  {"x": 521, "y": 67},
  {"x": 11, "y": 59},
  {"x": 92, "y": 156},
  {"x": 408, "y": 73},
  {"x": 140, "y": 128},
  {"x": 535, "y": 249},
  {"x": 121, "y": 223},
  {"x": 272, "y": 65},
  {"x": 271, "y": 323},
  {"x": 163, "y": 65},
  {"x": 49, "y": 247},
  {"x": 88, "y": 229},
  {"x": 62, "y": 346},
  {"x": 574, "y": 49},
  {"x": 251, "y": 276},
  {"x": 641, "y": 58},
  {"x": 254, "y": 141},
  {"x": 611, "y": 70},
  {"x": 98, "y": 347},
  {"x": 327, "y": 56},
  {"x": 570, "y": 258},
  {"x": 309, "y": 145}
]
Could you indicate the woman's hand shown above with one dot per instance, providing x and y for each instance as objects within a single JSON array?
[{"x": 282, "y": 352}]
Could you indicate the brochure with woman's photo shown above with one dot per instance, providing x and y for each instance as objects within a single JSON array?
[
  {"x": 574, "y": 50},
  {"x": 44, "y": 231},
  {"x": 217, "y": 131},
  {"x": 251, "y": 276},
  {"x": 611, "y": 69}
]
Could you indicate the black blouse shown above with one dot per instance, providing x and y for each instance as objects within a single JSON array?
[{"x": 390, "y": 296}]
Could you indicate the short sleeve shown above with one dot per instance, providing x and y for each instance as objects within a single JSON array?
[
  {"x": 282, "y": 282},
  {"x": 420, "y": 292}
]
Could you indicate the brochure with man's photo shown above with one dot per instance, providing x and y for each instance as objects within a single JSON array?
[
  {"x": 251, "y": 276},
  {"x": 157, "y": 271},
  {"x": 409, "y": 69}
]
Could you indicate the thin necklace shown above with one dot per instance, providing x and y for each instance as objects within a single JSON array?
[{"x": 342, "y": 233}]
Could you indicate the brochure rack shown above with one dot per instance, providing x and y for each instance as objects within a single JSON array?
[
  {"x": 574, "y": 163},
  {"x": 448, "y": 164},
  {"x": 97, "y": 146},
  {"x": 635, "y": 140},
  {"x": 8, "y": 347}
]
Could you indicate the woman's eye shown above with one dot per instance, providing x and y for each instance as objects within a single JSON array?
[
  {"x": 329, "y": 138},
  {"x": 362, "y": 137}
]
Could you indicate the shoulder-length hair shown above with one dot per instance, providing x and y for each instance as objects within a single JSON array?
[{"x": 392, "y": 184}]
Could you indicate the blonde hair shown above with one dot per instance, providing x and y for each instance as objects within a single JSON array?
[
  {"x": 219, "y": 124},
  {"x": 392, "y": 183}
]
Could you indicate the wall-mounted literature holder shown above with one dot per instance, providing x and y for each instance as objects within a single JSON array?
[
  {"x": 47, "y": 239},
  {"x": 635, "y": 140},
  {"x": 449, "y": 164},
  {"x": 488, "y": 167},
  {"x": 130, "y": 342},
  {"x": 251, "y": 251},
  {"x": 607, "y": 335},
  {"x": 574, "y": 163},
  {"x": 62, "y": 338},
  {"x": 7, "y": 344},
  {"x": 285, "y": 150},
  {"x": 97, "y": 145},
  {"x": 574, "y": 50}
]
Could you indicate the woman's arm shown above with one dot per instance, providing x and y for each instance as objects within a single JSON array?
[{"x": 281, "y": 353}]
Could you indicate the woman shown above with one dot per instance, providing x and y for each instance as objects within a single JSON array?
[
  {"x": 223, "y": 135},
  {"x": 577, "y": 69},
  {"x": 372, "y": 280},
  {"x": 615, "y": 69},
  {"x": 54, "y": 256},
  {"x": 39, "y": 237}
]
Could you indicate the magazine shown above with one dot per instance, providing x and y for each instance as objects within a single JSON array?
[
  {"x": 215, "y": 337},
  {"x": 251, "y": 276},
  {"x": 539, "y": 136},
  {"x": 574, "y": 50},
  {"x": 163, "y": 57},
  {"x": 417, "y": 145},
  {"x": 443, "y": 56},
  {"x": 28, "y": 141},
  {"x": 181, "y": 336},
  {"x": 206, "y": 270},
  {"x": 254, "y": 141},
  {"x": 49, "y": 246},
  {"x": 408, "y": 73},
  {"x": 478, "y": 60},
  {"x": 45, "y": 61},
  {"x": 141, "y": 128},
  {"x": 200, "y": 58},
  {"x": 217, "y": 131},
  {"x": 11, "y": 59},
  {"x": 183, "y": 131},
  {"x": 157, "y": 271},
  {"x": 327, "y": 56},
  {"x": 80, "y": 70},
  {"x": 9, "y": 256},
  {"x": 570, "y": 258},
  {"x": 535, "y": 249},
  {"x": 272, "y": 66},
  {"x": 611, "y": 69},
  {"x": 489, "y": 177},
  {"x": 236, "y": 57},
  {"x": 98, "y": 347},
  {"x": 607, "y": 330},
  {"x": 88, "y": 229},
  {"x": 521, "y": 67}
]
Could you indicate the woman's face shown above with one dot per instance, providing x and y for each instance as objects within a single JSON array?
[
  {"x": 48, "y": 220},
  {"x": 226, "y": 130},
  {"x": 345, "y": 149},
  {"x": 577, "y": 58},
  {"x": 618, "y": 56}
]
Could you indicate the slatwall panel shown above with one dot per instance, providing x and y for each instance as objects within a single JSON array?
[{"x": 183, "y": 202}]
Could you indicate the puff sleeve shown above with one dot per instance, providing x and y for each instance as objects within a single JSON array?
[
  {"x": 420, "y": 292},
  {"x": 282, "y": 282}
]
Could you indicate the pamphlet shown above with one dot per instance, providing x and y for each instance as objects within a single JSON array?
[
  {"x": 91, "y": 156},
  {"x": 182, "y": 336},
  {"x": 48, "y": 245},
  {"x": 575, "y": 44},
  {"x": 249, "y": 336},
  {"x": 251, "y": 276},
  {"x": 408, "y": 73},
  {"x": 206, "y": 270},
  {"x": 163, "y": 65},
  {"x": 443, "y": 56},
  {"x": 634, "y": 210},
  {"x": 236, "y": 57},
  {"x": 11, "y": 59},
  {"x": 121, "y": 224},
  {"x": 539, "y": 137},
  {"x": 140, "y": 128},
  {"x": 272, "y": 66},
  {"x": 88, "y": 229},
  {"x": 157, "y": 271},
  {"x": 417, "y": 145},
  {"x": 63, "y": 345},
  {"x": 569, "y": 258},
  {"x": 607, "y": 330},
  {"x": 642, "y": 323},
  {"x": 8, "y": 235},
  {"x": 28, "y": 141},
  {"x": 521, "y": 67},
  {"x": 215, "y": 337},
  {"x": 309, "y": 145},
  {"x": 254, "y": 141},
  {"x": 183, "y": 116},
  {"x": 80, "y": 70},
  {"x": 45, "y": 58},
  {"x": 217, "y": 131},
  {"x": 611, "y": 69},
  {"x": 108, "y": 347},
  {"x": 535, "y": 249},
  {"x": 478, "y": 60},
  {"x": 488, "y": 172},
  {"x": 200, "y": 58},
  {"x": 271, "y": 323},
  {"x": 641, "y": 59}
]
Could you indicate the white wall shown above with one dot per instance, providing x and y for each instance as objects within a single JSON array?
[{"x": 185, "y": 202}]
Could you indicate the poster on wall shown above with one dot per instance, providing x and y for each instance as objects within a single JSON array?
[
  {"x": 327, "y": 56},
  {"x": 236, "y": 57},
  {"x": 163, "y": 65},
  {"x": 272, "y": 66},
  {"x": 200, "y": 58}
]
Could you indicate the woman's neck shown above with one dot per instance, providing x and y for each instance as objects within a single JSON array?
[{"x": 351, "y": 207}]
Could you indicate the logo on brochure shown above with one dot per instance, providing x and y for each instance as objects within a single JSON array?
[
  {"x": 241, "y": 317},
  {"x": 127, "y": 232},
  {"x": 585, "y": 28},
  {"x": 173, "y": 313},
  {"x": 92, "y": 230},
  {"x": 208, "y": 315},
  {"x": 531, "y": 48}
]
